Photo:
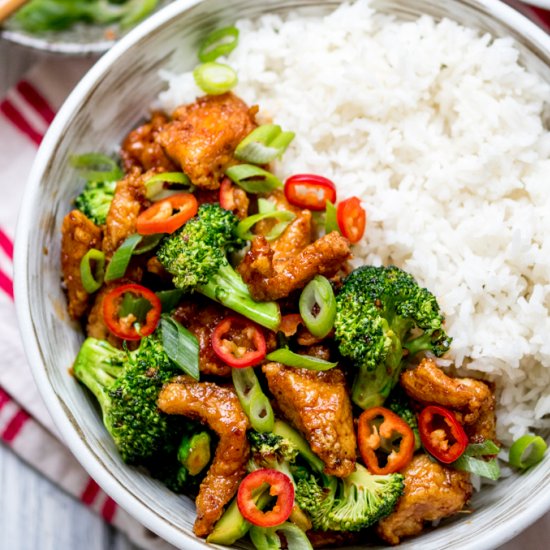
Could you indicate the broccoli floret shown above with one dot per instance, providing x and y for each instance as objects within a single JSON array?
[
  {"x": 126, "y": 385},
  {"x": 268, "y": 447},
  {"x": 398, "y": 403},
  {"x": 364, "y": 499},
  {"x": 95, "y": 200},
  {"x": 383, "y": 315},
  {"x": 196, "y": 256},
  {"x": 348, "y": 504}
]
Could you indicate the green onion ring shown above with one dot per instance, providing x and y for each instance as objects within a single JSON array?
[
  {"x": 148, "y": 243},
  {"x": 253, "y": 179},
  {"x": 291, "y": 359},
  {"x": 121, "y": 258},
  {"x": 169, "y": 299},
  {"x": 266, "y": 538},
  {"x": 331, "y": 220},
  {"x": 284, "y": 217},
  {"x": 264, "y": 144},
  {"x": 155, "y": 184},
  {"x": 90, "y": 166},
  {"x": 181, "y": 346},
  {"x": 217, "y": 44},
  {"x": 254, "y": 401},
  {"x": 92, "y": 279},
  {"x": 215, "y": 78},
  {"x": 527, "y": 451},
  {"x": 483, "y": 468},
  {"x": 318, "y": 306}
]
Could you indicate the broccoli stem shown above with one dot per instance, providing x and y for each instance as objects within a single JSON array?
[
  {"x": 421, "y": 343},
  {"x": 227, "y": 288},
  {"x": 97, "y": 367},
  {"x": 371, "y": 388}
]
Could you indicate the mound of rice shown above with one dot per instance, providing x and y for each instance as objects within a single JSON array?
[{"x": 440, "y": 131}]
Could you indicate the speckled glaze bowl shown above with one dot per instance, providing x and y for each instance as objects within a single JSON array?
[{"x": 108, "y": 102}]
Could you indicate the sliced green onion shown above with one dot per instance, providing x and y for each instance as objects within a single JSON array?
[
  {"x": 284, "y": 217},
  {"x": 486, "y": 448},
  {"x": 135, "y": 11},
  {"x": 331, "y": 221},
  {"x": 148, "y": 243},
  {"x": 232, "y": 526},
  {"x": 180, "y": 345},
  {"x": 267, "y": 538},
  {"x": 527, "y": 451},
  {"x": 253, "y": 179},
  {"x": 264, "y": 144},
  {"x": 254, "y": 401},
  {"x": 318, "y": 306},
  {"x": 217, "y": 43},
  {"x": 121, "y": 258},
  {"x": 169, "y": 299},
  {"x": 155, "y": 184},
  {"x": 92, "y": 270},
  {"x": 489, "y": 469},
  {"x": 215, "y": 78},
  {"x": 265, "y": 206},
  {"x": 96, "y": 167},
  {"x": 291, "y": 359}
]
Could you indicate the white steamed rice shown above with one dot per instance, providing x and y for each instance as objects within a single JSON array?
[{"x": 440, "y": 131}]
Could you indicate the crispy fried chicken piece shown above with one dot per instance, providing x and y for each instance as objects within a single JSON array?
[
  {"x": 203, "y": 136},
  {"x": 432, "y": 492},
  {"x": 220, "y": 409},
  {"x": 294, "y": 238},
  {"x": 325, "y": 256},
  {"x": 128, "y": 201},
  {"x": 201, "y": 317},
  {"x": 79, "y": 234},
  {"x": 139, "y": 148},
  {"x": 318, "y": 404},
  {"x": 234, "y": 198},
  {"x": 471, "y": 399}
]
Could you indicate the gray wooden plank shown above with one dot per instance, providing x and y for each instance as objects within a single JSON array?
[{"x": 37, "y": 515}]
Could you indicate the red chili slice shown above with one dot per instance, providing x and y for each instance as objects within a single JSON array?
[
  {"x": 125, "y": 327},
  {"x": 280, "y": 486},
  {"x": 310, "y": 191},
  {"x": 352, "y": 219},
  {"x": 378, "y": 430},
  {"x": 167, "y": 215},
  {"x": 239, "y": 342},
  {"x": 442, "y": 434}
]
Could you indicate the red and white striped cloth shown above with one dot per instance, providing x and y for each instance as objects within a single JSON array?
[{"x": 25, "y": 425}]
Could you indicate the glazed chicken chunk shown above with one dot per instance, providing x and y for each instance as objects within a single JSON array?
[
  {"x": 318, "y": 405},
  {"x": 432, "y": 492},
  {"x": 79, "y": 234},
  {"x": 472, "y": 400},
  {"x": 202, "y": 136},
  {"x": 220, "y": 409},
  {"x": 201, "y": 317},
  {"x": 140, "y": 149},
  {"x": 128, "y": 201},
  {"x": 325, "y": 256},
  {"x": 295, "y": 237}
]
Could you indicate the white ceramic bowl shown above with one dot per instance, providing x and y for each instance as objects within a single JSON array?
[{"x": 109, "y": 101}]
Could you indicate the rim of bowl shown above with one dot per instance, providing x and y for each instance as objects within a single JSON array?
[
  {"x": 70, "y": 48},
  {"x": 104, "y": 477}
]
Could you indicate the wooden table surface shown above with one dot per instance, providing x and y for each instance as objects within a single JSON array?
[{"x": 36, "y": 515}]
